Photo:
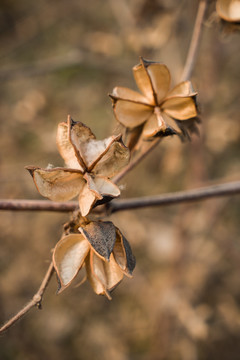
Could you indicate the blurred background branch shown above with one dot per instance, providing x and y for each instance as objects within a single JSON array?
[{"x": 195, "y": 41}]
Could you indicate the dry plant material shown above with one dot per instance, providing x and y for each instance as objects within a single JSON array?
[
  {"x": 156, "y": 104},
  {"x": 102, "y": 249},
  {"x": 99, "y": 246},
  {"x": 229, "y": 10},
  {"x": 90, "y": 165}
]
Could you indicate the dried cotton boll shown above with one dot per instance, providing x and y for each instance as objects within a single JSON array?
[
  {"x": 155, "y": 103},
  {"x": 102, "y": 249},
  {"x": 90, "y": 165}
]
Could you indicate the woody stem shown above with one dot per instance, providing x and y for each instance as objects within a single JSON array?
[
  {"x": 195, "y": 41},
  {"x": 219, "y": 190}
]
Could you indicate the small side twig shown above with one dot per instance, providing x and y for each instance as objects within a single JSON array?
[
  {"x": 195, "y": 41},
  {"x": 35, "y": 301}
]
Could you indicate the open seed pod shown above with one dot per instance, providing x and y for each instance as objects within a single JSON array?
[
  {"x": 90, "y": 165},
  {"x": 102, "y": 249}
]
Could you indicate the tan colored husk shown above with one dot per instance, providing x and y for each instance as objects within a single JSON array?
[
  {"x": 94, "y": 161},
  {"x": 57, "y": 184},
  {"x": 133, "y": 109},
  {"x": 228, "y": 10},
  {"x": 102, "y": 249},
  {"x": 68, "y": 257}
]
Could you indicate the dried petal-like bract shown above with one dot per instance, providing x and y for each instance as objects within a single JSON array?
[
  {"x": 57, "y": 184},
  {"x": 66, "y": 148},
  {"x": 68, "y": 257},
  {"x": 123, "y": 254},
  {"x": 101, "y": 235}
]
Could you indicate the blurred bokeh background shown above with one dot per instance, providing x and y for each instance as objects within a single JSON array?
[{"x": 183, "y": 303}]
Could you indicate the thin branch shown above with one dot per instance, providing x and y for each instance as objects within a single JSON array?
[
  {"x": 195, "y": 41},
  {"x": 38, "y": 205},
  {"x": 176, "y": 198},
  {"x": 35, "y": 301},
  {"x": 226, "y": 189}
]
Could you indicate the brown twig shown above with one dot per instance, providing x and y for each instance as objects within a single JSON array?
[
  {"x": 226, "y": 189},
  {"x": 176, "y": 198},
  {"x": 38, "y": 205},
  {"x": 195, "y": 41},
  {"x": 35, "y": 301}
]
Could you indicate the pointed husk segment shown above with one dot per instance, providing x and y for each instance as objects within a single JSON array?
[
  {"x": 180, "y": 108},
  {"x": 97, "y": 188},
  {"x": 66, "y": 148},
  {"x": 102, "y": 236},
  {"x": 68, "y": 257},
  {"x": 123, "y": 254},
  {"x": 57, "y": 184},
  {"x": 96, "y": 153}
]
